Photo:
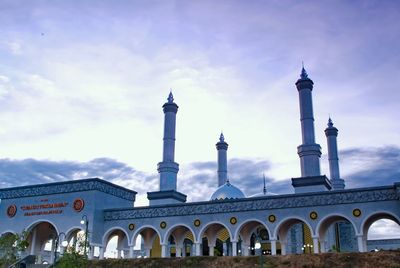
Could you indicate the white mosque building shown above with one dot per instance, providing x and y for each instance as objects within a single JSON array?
[{"x": 320, "y": 216}]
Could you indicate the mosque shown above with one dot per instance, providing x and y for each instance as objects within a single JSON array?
[{"x": 320, "y": 216}]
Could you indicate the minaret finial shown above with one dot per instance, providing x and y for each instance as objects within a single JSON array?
[
  {"x": 303, "y": 74},
  {"x": 330, "y": 123},
  {"x": 170, "y": 97},
  {"x": 265, "y": 187},
  {"x": 221, "y": 137}
]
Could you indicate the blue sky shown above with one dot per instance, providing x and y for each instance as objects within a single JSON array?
[{"x": 82, "y": 84}]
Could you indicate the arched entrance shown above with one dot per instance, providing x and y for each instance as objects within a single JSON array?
[
  {"x": 367, "y": 240},
  {"x": 180, "y": 241},
  {"x": 116, "y": 244},
  {"x": 337, "y": 234},
  {"x": 216, "y": 241},
  {"x": 295, "y": 237},
  {"x": 42, "y": 237},
  {"x": 251, "y": 232},
  {"x": 150, "y": 244}
]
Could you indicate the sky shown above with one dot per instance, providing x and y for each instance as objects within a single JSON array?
[{"x": 82, "y": 84}]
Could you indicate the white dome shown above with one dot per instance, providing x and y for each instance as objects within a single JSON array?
[{"x": 227, "y": 191}]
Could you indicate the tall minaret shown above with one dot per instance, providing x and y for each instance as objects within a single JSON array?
[
  {"x": 222, "y": 148},
  {"x": 168, "y": 168},
  {"x": 331, "y": 135},
  {"x": 309, "y": 151}
]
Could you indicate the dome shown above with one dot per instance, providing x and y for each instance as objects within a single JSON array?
[{"x": 227, "y": 191}]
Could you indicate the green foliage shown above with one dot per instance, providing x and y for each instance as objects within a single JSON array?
[
  {"x": 11, "y": 245},
  {"x": 73, "y": 257}
]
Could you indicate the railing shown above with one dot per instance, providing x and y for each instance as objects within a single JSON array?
[{"x": 30, "y": 259}]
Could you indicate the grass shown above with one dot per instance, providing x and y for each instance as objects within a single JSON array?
[{"x": 387, "y": 259}]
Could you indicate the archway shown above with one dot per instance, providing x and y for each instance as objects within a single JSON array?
[
  {"x": 295, "y": 236},
  {"x": 216, "y": 241},
  {"x": 116, "y": 244},
  {"x": 180, "y": 241},
  {"x": 379, "y": 231},
  {"x": 248, "y": 234},
  {"x": 337, "y": 233},
  {"x": 150, "y": 245},
  {"x": 41, "y": 239}
]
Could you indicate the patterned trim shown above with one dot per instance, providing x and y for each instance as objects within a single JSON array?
[
  {"x": 260, "y": 203},
  {"x": 68, "y": 187}
]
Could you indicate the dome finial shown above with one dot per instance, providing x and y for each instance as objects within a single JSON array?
[
  {"x": 170, "y": 97},
  {"x": 303, "y": 74},
  {"x": 221, "y": 137},
  {"x": 265, "y": 187}
]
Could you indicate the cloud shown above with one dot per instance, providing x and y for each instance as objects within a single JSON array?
[{"x": 363, "y": 167}]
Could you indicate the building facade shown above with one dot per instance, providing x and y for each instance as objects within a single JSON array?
[{"x": 320, "y": 216}]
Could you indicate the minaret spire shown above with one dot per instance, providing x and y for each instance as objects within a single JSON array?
[
  {"x": 331, "y": 133},
  {"x": 265, "y": 187},
  {"x": 222, "y": 148}
]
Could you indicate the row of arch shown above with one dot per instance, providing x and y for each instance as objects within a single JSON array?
[
  {"x": 214, "y": 238},
  {"x": 281, "y": 226}
]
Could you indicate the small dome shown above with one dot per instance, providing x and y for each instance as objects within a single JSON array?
[{"x": 227, "y": 191}]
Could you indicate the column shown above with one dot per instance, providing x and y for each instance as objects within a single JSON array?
[
  {"x": 273, "y": 247},
  {"x": 198, "y": 249},
  {"x": 91, "y": 252},
  {"x": 224, "y": 249},
  {"x": 178, "y": 251},
  {"x": 33, "y": 242},
  {"x": 360, "y": 242},
  {"x": 119, "y": 253},
  {"x": 163, "y": 250},
  {"x": 211, "y": 250},
  {"x": 234, "y": 248},
  {"x": 322, "y": 243},
  {"x": 131, "y": 248},
  {"x": 315, "y": 244},
  {"x": 148, "y": 252},
  {"x": 101, "y": 253},
  {"x": 245, "y": 249},
  {"x": 283, "y": 247}
]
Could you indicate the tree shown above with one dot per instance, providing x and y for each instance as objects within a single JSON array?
[
  {"x": 73, "y": 257},
  {"x": 10, "y": 247}
]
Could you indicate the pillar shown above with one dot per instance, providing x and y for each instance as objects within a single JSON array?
[
  {"x": 273, "y": 246},
  {"x": 33, "y": 246},
  {"x": 222, "y": 148},
  {"x": 197, "y": 249},
  {"x": 322, "y": 243},
  {"x": 234, "y": 248},
  {"x": 178, "y": 251},
  {"x": 283, "y": 247},
  {"x": 245, "y": 249},
  {"x": 91, "y": 252},
  {"x": 119, "y": 253},
  {"x": 148, "y": 252},
  {"x": 164, "y": 250},
  {"x": 309, "y": 152},
  {"x": 360, "y": 243},
  {"x": 211, "y": 250},
  {"x": 224, "y": 249},
  {"x": 331, "y": 133},
  {"x": 131, "y": 251},
  {"x": 315, "y": 244},
  {"x": 101, "y": 253}
]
